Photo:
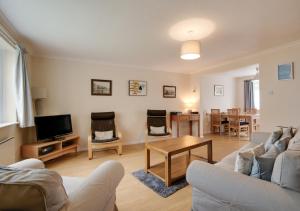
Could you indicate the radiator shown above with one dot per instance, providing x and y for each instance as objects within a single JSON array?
[{"x": 7, "y": 151}]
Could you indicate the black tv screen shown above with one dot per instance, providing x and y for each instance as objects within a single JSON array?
[{"x": 49, "y": 127}]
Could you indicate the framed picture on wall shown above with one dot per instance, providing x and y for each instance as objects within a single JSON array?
[
  {"x": 219, "y": 90},
  {"x": 101, "y": 87},
  {"x": 286, "y": 71},
  {"x": 137, "y": 88},
  {"x": 169, "y": 91}
]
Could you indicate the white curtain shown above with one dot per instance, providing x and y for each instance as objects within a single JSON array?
[{"x": 23, "y": 94}]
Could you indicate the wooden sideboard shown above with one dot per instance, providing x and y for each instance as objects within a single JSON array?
[{"x": 183, "y": 118}]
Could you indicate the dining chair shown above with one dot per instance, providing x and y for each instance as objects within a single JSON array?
[
  {"x": 235, "y": 125},
  {"x": 217, "y": 122},
  {"x": 251, "y": 111}
]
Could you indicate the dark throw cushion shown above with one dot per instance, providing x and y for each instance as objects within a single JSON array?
[{"x": 263, "y": 165}]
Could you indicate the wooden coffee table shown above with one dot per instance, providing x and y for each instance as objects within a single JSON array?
[{"x": 173, "y": 169}]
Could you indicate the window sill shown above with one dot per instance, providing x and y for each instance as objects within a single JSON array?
[{"x": 6, "y": 124}]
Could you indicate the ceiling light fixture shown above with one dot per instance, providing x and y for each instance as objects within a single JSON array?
[{"x": 190, "y": 50}]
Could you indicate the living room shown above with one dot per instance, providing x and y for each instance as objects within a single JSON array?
[{"x": 135, "y": 51}]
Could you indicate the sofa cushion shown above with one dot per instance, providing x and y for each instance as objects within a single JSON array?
[
  {"x": 228, "y": 161},
  {"x": 282, "y": 144},
  {"x": 31, "y": 189},
  {"x": 272, "y": 139},
  {"x": 288, "y": 133},
  {"x": 286, "y": 171},
  {"x": 157, "y": 130},
  {"x": 263, "y": 165},
  {"x": 244, "y": 159},
  {"x": 103, "y": 135},
  {"x": 294, "y": 143}
]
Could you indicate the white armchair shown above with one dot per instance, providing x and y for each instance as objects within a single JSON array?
[{"x": 97, "y": 192}]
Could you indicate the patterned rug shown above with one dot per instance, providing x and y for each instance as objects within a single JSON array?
[{"x": 157, "y": 185}]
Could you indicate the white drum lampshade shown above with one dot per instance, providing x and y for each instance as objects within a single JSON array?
[{"x": 190, "y": 50}]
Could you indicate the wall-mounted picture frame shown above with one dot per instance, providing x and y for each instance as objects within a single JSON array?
[
  {"x": 169, "y": 91},
  {"x": 101, "y": 87},
  {"x": 137, "y": 88},
  {"x": 286, "y": 71},
  {"x": 219, "y": 90}
]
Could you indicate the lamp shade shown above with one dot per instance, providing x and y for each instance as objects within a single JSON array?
[
  {"x": 190, "y": 50},
  {"x": 38, "y": 93}
]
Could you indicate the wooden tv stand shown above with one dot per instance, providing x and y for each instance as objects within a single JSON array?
[{"x": 63, "y": 145}]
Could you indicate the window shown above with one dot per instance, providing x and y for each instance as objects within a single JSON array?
[
  {"x": 8, "y": 56},
  {"x": 256, "y": 94}
]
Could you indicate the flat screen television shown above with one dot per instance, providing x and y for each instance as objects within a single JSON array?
[{"x": 51, "y": 127}]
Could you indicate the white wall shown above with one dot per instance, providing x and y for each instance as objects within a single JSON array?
[
  {"x": 280, "y": 100},
  {"x": 68, "y": 84},
  {"x": 209, "y": 101}
]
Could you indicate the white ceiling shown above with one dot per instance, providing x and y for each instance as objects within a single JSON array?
[{"x": 136, "y": 32}]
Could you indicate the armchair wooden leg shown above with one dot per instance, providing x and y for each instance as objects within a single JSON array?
[{"x": 120, "y": 149}]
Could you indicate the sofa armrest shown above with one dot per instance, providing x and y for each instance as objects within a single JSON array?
[
  {"x": 98, "y": 188},
  {"x": 31, "y": 163},
  {"x": 239, "y": 191},
  {"x": 259, "y": 137}
]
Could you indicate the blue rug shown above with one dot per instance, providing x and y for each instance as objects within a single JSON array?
[{"x": 157, "y": 185}]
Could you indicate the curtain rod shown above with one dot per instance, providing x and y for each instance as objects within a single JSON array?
[{"x": 5, "y": 35}]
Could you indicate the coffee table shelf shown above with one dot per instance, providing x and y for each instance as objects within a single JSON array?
[
  {"x": 178, "y": 170},
  {"x": 174, "y": 167}
]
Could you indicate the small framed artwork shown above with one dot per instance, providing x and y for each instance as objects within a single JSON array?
[
  {"x": 169, "y": 91},
  {"x": 219, "y": 90},
  {"x": 286, "y": 71},
  {"x": 101, "y": 87},
  {"x": 137, "y": 88}
]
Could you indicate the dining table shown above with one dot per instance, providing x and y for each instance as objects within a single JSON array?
[{"x": 252, "y": 119}]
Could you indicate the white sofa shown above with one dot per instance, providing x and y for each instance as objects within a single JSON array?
[
  {"x": 218, "y": 187},
  {"x": 97, "y": 192}
]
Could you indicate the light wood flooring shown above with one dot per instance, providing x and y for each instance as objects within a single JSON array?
[{"x": 132, "y": 195}]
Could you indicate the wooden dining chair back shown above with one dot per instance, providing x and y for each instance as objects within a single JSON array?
[
  {"x": 217, "y": 122},
  {"x": 235, "y": 125},
  {"x": 251, "y": 111},
  {"x": 233, "y": 117}
]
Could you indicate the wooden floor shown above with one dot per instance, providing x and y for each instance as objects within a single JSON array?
[{"x": 132, "y": 194}]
